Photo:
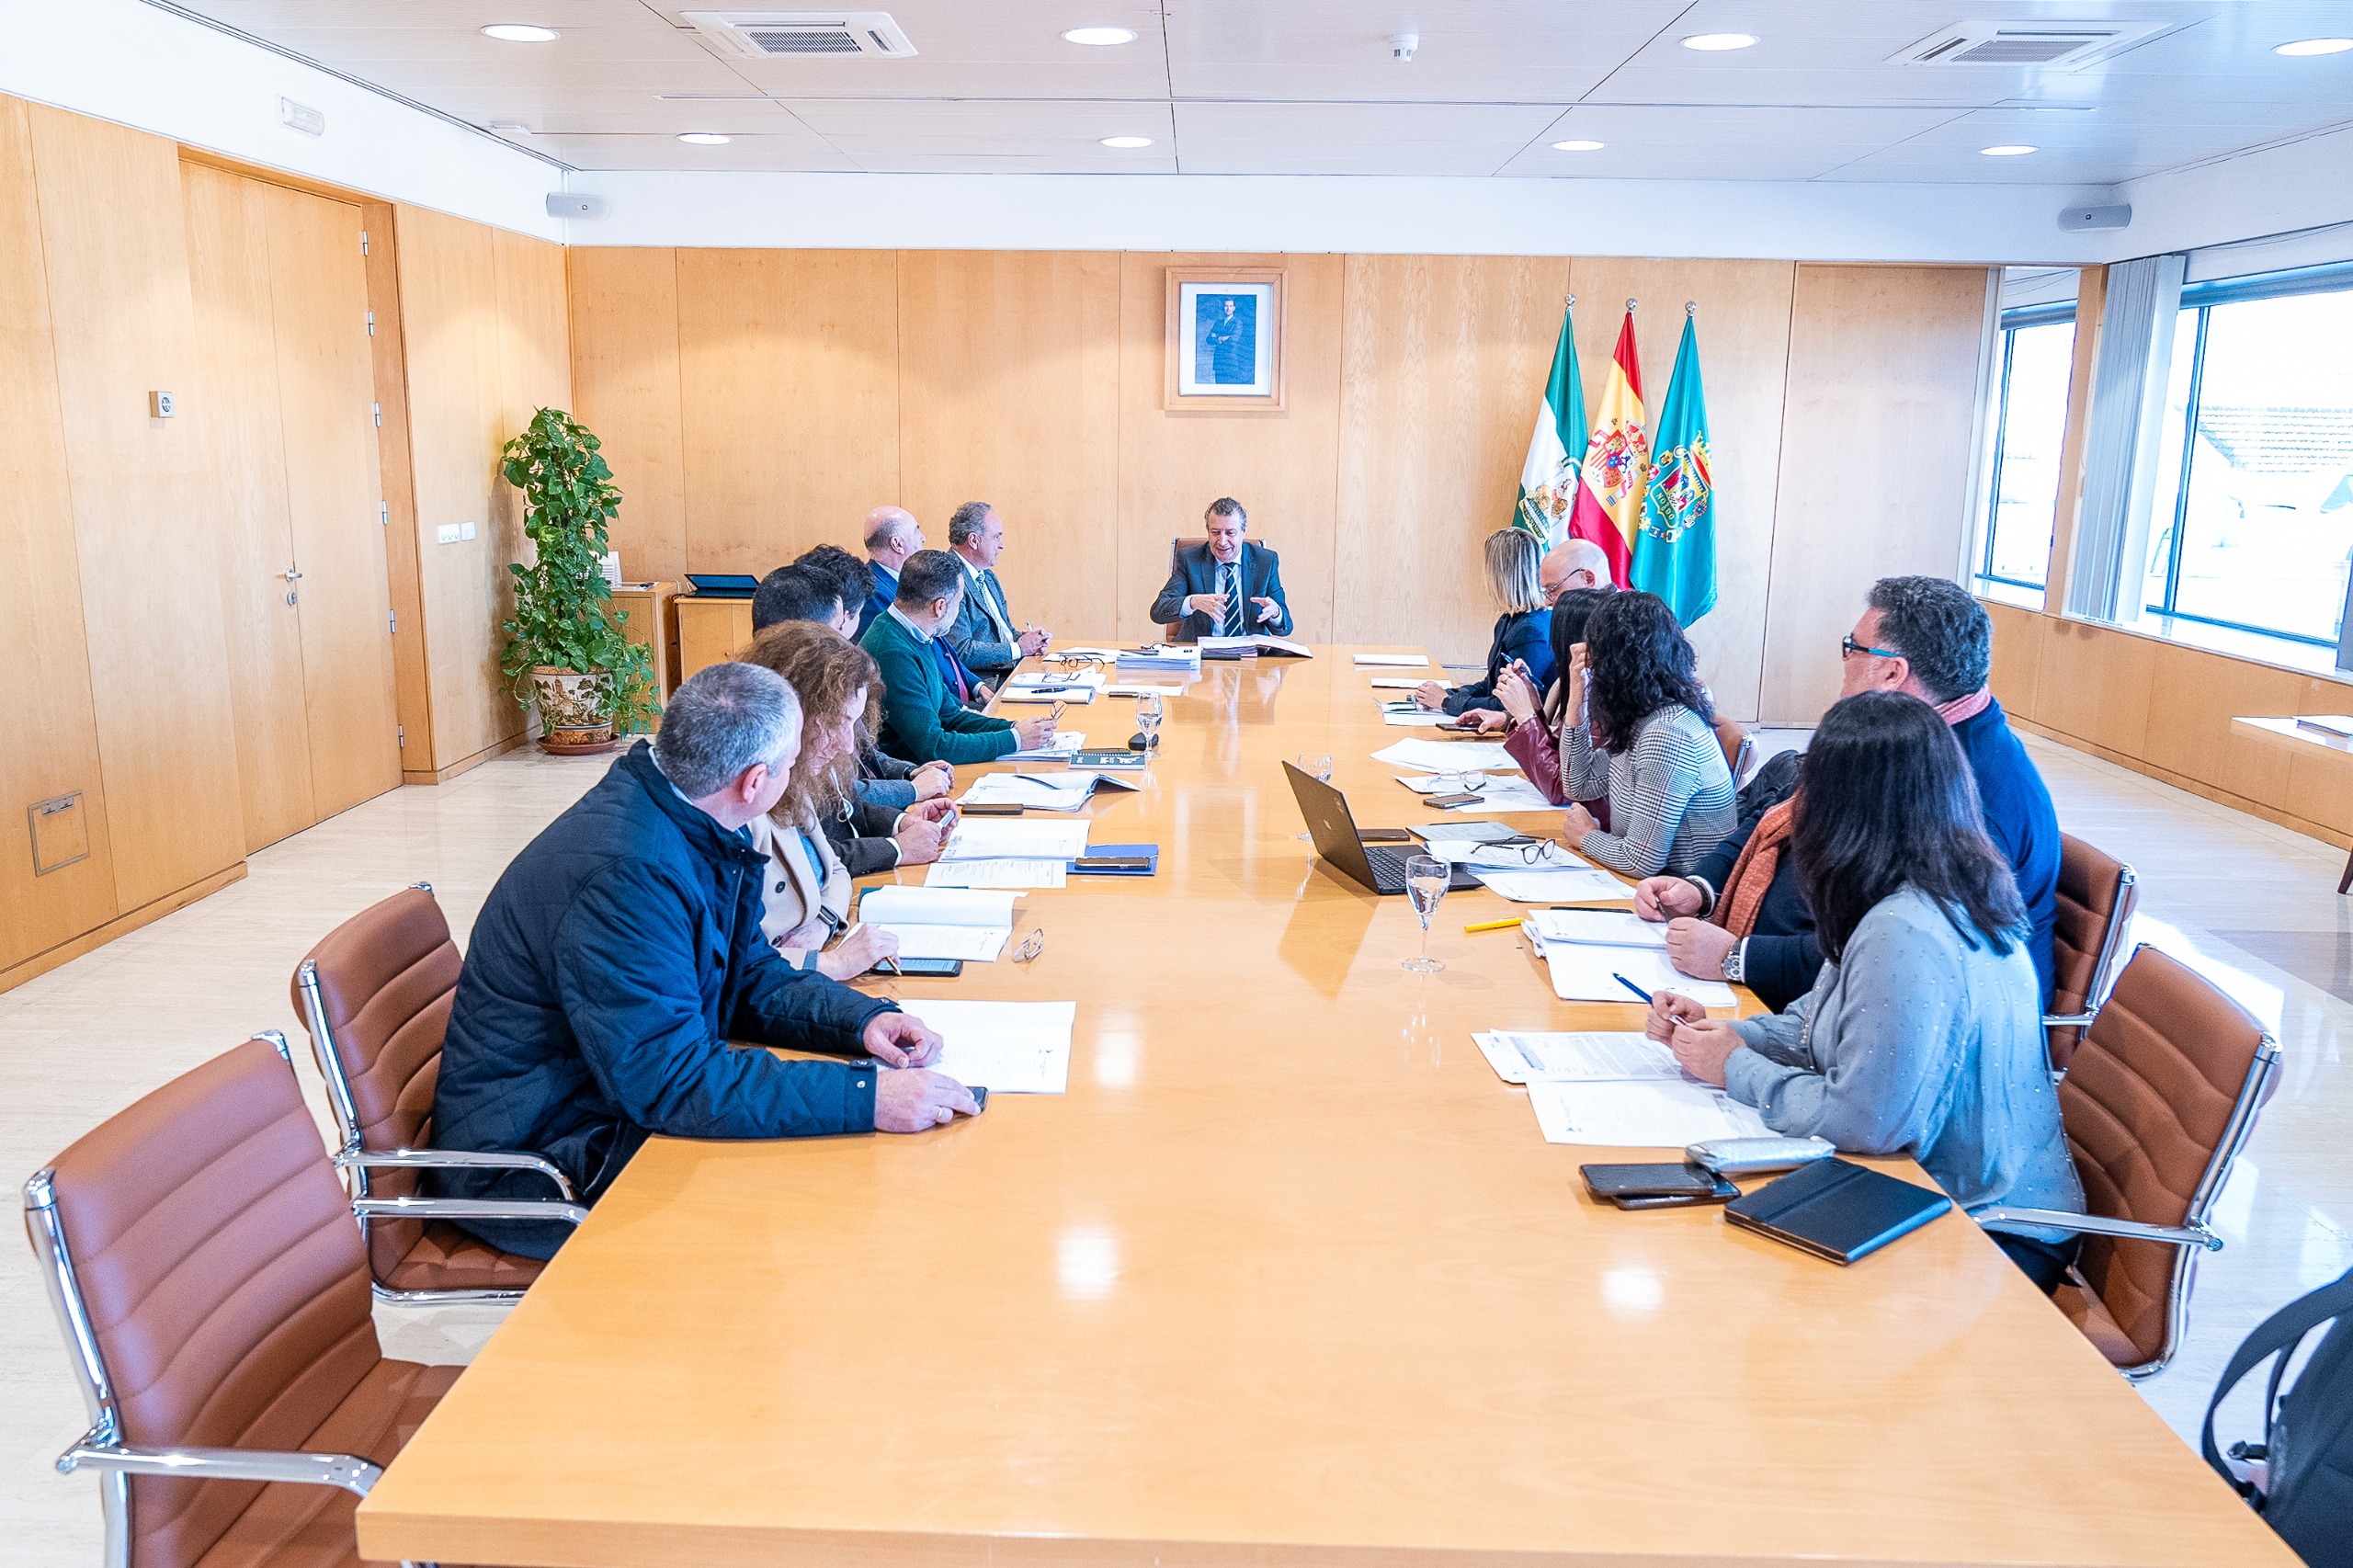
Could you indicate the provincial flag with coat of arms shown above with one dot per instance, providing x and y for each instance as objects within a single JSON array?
[
  {"x": 1675, "y": 554},
  {"x": 1555, "y": 503}
]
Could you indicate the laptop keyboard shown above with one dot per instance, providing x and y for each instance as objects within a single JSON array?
[{"x": 1388, "y": 869}]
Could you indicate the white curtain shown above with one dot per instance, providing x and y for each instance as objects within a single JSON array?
[{"x": 2122, "y": 437}]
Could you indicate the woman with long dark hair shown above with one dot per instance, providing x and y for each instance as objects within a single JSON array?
[
  {"x": 1671, "y": 795},
  {"x": 1532, "y": 711},
  {"x": 1923, "y": 1033}
]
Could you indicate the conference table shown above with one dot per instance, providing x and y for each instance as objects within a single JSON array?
[{"x": 1287, "y": 1276}]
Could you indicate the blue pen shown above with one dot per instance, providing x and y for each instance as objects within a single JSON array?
[{"x": 1630, "y": 986}]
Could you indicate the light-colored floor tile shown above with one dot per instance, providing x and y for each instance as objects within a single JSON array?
[{"x": 2250, "y": 905}]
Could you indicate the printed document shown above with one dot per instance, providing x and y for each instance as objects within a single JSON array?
[
  {"x": 1006, "y": 1047},
  {"x": 1264, "y": 645},
  {"x": 1498, "y": 792},
  {"x": 1005, "y": 873},
  {"x": 1142, "y": 689},
  {"x": 1005, "y": 838},
  {"x": 1582, "y": 973},
  {"x": 1397, "y": 683},
  {"x": 1446, "y": 757},
  {"x": 941, "y": 923},
  {"x": 1414, "y": 718},
  {"x": 1057, "y": 747},
  {"x": 1591, "y": 885},
  {"x": 1598, "y": 927},
  {"x": 1526, "y": 1057},
  {"x": 1641, "y": 1113},
  {"x": 1507, "y": 857},
  {"x": 1391, "y": 661}
]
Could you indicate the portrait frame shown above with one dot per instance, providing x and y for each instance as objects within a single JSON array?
[{"x": 1223, "y": 348}]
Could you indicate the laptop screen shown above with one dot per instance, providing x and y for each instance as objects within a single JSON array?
[{"x": 1334, "y": 827}]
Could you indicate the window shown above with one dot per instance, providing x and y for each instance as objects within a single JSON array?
[
  {"x": 2029, "y": 422},
  {"x": 2252, "y": 523}
]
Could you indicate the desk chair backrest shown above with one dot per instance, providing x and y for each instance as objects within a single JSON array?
[
  {"x": 1178, "y": 545},
  {"x": 376, "y": 994},
  {"x": 2162, "y": 1094},
  {"x": 2097, "y": 895},
  {"x": 1739, "y": 749},
  {"x": 203, "y": 1262}
]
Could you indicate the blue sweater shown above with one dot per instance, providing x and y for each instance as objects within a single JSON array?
[
  {"x": 2019, "y": 820},
  {"x": 1524, "y": 635}
]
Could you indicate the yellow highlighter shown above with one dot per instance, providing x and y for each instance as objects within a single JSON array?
[{"x": 1491, "y": 925}]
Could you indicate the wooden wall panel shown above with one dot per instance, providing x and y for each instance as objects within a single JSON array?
[
  {"x": 625, "y": 387},
  {"x": 46, "y": 708},
  {"x": 146, "y": 508},
  {"x": 2018, "y": 658},
  {"x": 788, "y": 377},
  {"x": 1009, "y": 394},
  {"x": 1875, "y": 449},
  {"x": 1743, "y": 356},
  {"x": 1283, "y": 468},
  {"x": 1442, "y": 362}
]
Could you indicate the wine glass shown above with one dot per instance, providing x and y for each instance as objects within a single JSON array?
[
  {"x": 1425, "y": 878},
  {"x": 1317, "y": 767},
  {"x": 1148, "y": 716}
]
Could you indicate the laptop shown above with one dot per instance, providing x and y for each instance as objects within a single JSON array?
[
  {"x": 1376, "y": 866},
  {"x": 723, "y": 585}
]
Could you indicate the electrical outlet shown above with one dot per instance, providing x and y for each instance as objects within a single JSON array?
[
  {"x": 447, "y": 533},
  {"x": 159, "y": 405}
]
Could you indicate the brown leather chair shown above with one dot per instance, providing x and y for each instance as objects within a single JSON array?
[
  {"x": 1740, "y": 750},
  {"x": 375, "y": 995},
  {"x": 2162, "y": 1096},
  {"x": 2097, "y": 895},
  {"x": 213, "y": 1293}
]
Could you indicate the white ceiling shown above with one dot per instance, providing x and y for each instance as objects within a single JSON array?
[{"x": 1307, "y": 86}]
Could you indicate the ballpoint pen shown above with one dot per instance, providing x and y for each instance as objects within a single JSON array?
[{"x": 1630, "y": 985}]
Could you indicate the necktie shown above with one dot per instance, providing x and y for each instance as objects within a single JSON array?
[
  {"x": 1230, "y": 585},
  {"x": 992, "y": 605},
  {"x": 953, "y": 677}
]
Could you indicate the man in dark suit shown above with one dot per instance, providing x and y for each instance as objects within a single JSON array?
[
  {"x": 1226, "y": 588},
  {"x": 983, "y": 634},
  {"x": 892, "y": 535}
]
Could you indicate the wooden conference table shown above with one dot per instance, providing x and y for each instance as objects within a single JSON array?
[{"x": 1288, "y": 1277}]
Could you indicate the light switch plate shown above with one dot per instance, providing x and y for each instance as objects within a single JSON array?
[{"x": 465, "y": 530}]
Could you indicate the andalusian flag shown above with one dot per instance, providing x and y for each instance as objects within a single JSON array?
[
  {"x": 1555, "y": 503},
  {"x": 1675, "y": 556},
  {"x": 1617, "y": 455}
]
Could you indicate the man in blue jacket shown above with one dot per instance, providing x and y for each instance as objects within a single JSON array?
[
  {"x": 620, "y": 952},
  {"x": 1225, "y": 587}
]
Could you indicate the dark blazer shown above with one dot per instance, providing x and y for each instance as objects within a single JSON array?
[
  {"x": 971, "y": 636},
  {"x": 860, "y": 833},
  {"x": 1196, "y": 572},
  {"x": 886, "y": 589},
  {"x": 922, "y": 721},
  {"x": 616, "y": 957},
  {"x": 1782, "y": 955},
  {"x": 1526, "y": 636}
]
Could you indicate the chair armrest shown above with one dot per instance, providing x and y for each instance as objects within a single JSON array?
[
  {"x": 2098, "y": 1225},
  {"x": 465, "y": 1209},
  {"x": 454, "y": 1159},
  {"x": 352, "y": 1474},
  {"x": 2064, "y": 1020}
]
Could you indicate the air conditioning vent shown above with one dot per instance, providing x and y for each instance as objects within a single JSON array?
[
  {"x": 2065, "y": 44},
  {"x": 776, "y": 35}
]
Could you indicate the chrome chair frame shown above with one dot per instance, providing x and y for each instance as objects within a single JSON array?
[
  {"x": 101, "y": 1448},
  {"x": 2105, "y": 968},
  {"x": 356, "y": 1161},
  {"x": 2193, "y": 1235}
]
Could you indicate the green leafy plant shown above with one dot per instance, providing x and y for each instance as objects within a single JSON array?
[{"x": 563, "y": 615}]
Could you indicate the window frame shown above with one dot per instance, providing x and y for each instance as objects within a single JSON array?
[
  {"x": 2331, "y": 279},
  {"x": 2011, "y": 322}
]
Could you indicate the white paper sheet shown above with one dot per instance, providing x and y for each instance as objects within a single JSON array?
[
  {"x": 1004, "y": 873},
  {"x": 1445, "y": 757},
  {"x": 1599, "y": 929},
  {"x": 1074, "y": 697},
  {"x": 1522, "y": 1056},
  {"x": 1060, "y": 745},
  {"x": 1591, "y": 974},
  {"x": 1264, "y": 644},
  {"x": 1142, "y": 689},
  {"x": 1418, "y": 719},
  {"x": 1002, "y": 838},
  {"x": 935, "y": 906},
  {"x": 1493, "y": 858},
  {"x": 1397, "y": 683},
  {"x": 1006, "y": 1047},
  {"x": 973, "y": 944},
  {"x": 1594, "y": 886},
  {"x": 1501, "y": 792},
  {"x": 1391, "y": 660},
  {"x": 1022, "y": 789},
  {"x": 1640, "y": 1114},
  {"x": 1465, "y": 831},
  {"x": 1075, "y": 652}
]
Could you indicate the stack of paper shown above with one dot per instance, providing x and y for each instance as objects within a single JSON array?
[
  {"x": 1006, "y": 1047},
  {"x": 1042, "y": 791},
  {"x": 1059, "y": 745},
  {"x": 941, "y": 923},
  {"x": 1183, "y": 656},
  {"x": 1583, "y": 972},
  {"x": 1079, "y": 685},
  {"x": 1556, "y": 885},
  {"x": 1599, "y": 928},
  {"x": 1528, "y": 1057},
  {"x": 1436, "y": 832},
  {"x": 1261, "y": 644},
  {"x": 1548, "y": 856},
  {"x": 1397, "y": 683},
  {"x": 1412, "y": 718},
  {"x": 999, "y": 838},
  {"x": 1133, "y": 688},
  {"x": 1391, "y": 661},
  {"x": 1077, "y": 654},
  {"x": 1446, "y": 757},
  {"x": 1500, "y": 793},
  {"x": 1641, "y": 1113},
  {"x": 1005, "y": 873}
]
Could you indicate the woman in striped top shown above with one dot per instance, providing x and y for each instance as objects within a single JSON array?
[{"x": 1671, "y": 796}]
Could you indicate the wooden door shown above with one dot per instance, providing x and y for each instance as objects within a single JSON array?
[
  {"x": 237, "y": 407},
  {"x": 319, "y": 295}
]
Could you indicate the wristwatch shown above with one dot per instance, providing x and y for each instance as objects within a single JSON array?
[{"x": 1736, "y": 968}]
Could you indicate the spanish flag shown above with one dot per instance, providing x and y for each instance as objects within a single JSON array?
[{"x": 1618, "y": 453}]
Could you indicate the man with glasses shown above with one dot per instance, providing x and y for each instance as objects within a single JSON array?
[{"x": 1924, "y": 637}]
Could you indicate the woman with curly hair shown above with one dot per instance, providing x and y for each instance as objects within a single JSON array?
[
  {"x": 806, "y": 889},
  {"x": 1671, "y": 796}
]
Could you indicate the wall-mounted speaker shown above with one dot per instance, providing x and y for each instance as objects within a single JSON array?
[
  {"x": 2116, "y": 217},
  {"x": 566, "y": 204}
]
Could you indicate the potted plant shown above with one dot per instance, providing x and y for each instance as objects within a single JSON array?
[{"x": 566, "y": 652}]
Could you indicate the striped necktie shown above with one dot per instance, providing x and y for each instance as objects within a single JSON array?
[{"x": 1230, "y": 585}]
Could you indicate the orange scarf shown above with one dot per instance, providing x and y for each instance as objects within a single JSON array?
[{"x": 1752, "y": 874}]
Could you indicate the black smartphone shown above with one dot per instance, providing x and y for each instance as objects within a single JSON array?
[
  {"x": 1383, "y": 836},
  {"x": 920, "y": 969},
  {"x": 980, "y": 1096},
  {"x": 1657, "y": 1186},
  {"x": 991, "y": 810},
  {"x": 1465, "y": 799},
  {"x": 1461, "y": 729},
  {"x": 1112, "y": 863}
]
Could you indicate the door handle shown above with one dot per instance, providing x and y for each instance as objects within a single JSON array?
[{"x": 292, "y": 574}]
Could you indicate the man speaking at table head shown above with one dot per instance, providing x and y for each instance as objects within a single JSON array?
[
  {"x": 621, "y": 951},
  {"x": 1226, "y": 588}
]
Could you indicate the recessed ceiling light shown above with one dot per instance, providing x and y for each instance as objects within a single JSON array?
[
  {"x": 2314, "y": 46},
  {"x": 1713, "y": 41},
  {"x": 1102, "y": 38},
  {"x": 521, "y": 33},
  {"x": 705, "y": 139},
  {"x": 1124, "y": 141},
  {"x": 1576, "y": 146},
  {"x": 2007, "y": 150}
]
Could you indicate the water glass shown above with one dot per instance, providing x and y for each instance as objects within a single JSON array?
[
  {"x": 1148, "y": 716},
  {"x": 1425, "y": 878}
]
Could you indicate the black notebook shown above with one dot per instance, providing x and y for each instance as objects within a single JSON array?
[{"x": 1837, "y": 1209}]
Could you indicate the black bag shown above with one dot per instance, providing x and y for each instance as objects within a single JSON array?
[{"x": 2307, "y": 1445}]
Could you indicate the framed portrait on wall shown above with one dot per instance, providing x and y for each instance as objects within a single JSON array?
[{"x": 1225, "y": 339}]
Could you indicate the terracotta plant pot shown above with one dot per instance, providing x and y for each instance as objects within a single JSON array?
[{"x": 574, "y": 706}]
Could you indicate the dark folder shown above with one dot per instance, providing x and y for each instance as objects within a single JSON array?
[{"x": 1837, "y": 1209}]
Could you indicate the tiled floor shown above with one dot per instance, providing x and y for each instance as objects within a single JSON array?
[{"x": 2251, "y": 906}]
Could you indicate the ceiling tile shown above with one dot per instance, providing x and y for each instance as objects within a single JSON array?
[
  {"x": 793, "y": 153},
  {"x": 1350, "y": 139}
]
